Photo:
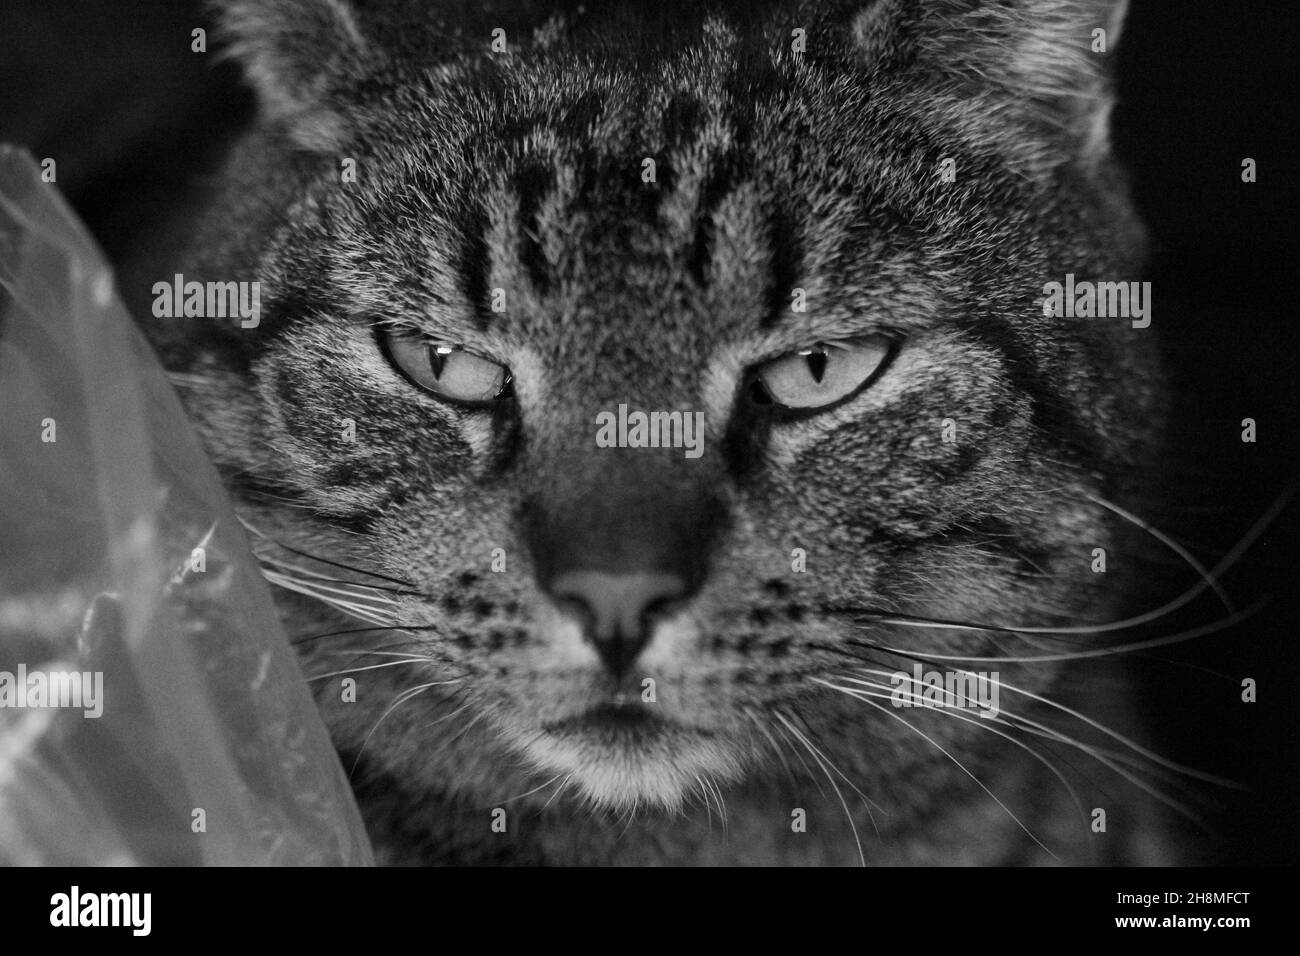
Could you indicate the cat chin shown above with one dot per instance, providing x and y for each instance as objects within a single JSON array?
[{"x": 623, "y": 775}]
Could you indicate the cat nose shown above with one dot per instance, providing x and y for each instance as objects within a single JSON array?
[{"x": 618, "y": 611}]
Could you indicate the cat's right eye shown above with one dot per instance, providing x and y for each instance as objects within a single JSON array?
[{"x": 448, "y": 371}]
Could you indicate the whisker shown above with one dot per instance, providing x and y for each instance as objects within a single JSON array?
[
  {"x": 816, "y": 755},
  {"x": 1093, "y": 752},
  {"x": 962, "y": 767},
  {"x": 434, "y": 723},
  {"x": 527, "y": 793},
  {"x": 1178, "y": 638},
  {"x": 368, "y": 667},
  {"x": 807, "y": 770},
  {"x": 558, "y": 790},
  {"x": 364, "y": 612},
  {"x": 464, "y": 730},
  {"x": 402, "y": 698},
  {"x": 722, "y": 803},
  {"x": 630, "y": 817},
  {"x": 355, "y": 595},
  {"x": 977, "y": 721},
  {"x": 364, "y": 630},
  {"x": 1215, "y": 573},
  {"x": 359, "y": 652},
  {"x": 1116, "y": 736},
  {"x": 1170, "y": 544},
  {"x": 751, "y": 716},
  {"x": 704, "y": 797},
  {"x": 1165, "y": 763},
  {"x": 300, "y": 571},
  {"x": 337, "y": 564}
]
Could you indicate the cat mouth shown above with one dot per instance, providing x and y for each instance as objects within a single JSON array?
[
  {"x": 620, "y": 720},
  {"x": 628, "y": 754}
]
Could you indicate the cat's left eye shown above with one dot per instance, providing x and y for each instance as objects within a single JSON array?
[
  {"x": 448, "y": 371},
  {"x": 821, "y": 374}
]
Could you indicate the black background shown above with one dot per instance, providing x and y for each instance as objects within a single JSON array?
[
  {"x": 1202, "y": 86},
  {"x": 135, "y": 119}
]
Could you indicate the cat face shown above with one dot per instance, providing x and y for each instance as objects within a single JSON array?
[{"x": 614, "y": 217}]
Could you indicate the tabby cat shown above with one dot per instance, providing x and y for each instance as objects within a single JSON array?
[{"x": 826, "y": 229}]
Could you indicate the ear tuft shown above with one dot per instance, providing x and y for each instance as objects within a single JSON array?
[{"x": 298, "y": 54}]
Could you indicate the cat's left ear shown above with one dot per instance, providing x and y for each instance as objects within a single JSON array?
[
  {"x": 1047, "y": 62},
  {"x": 300, "y": 56}
]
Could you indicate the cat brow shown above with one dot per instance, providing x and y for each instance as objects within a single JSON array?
[{"x": 433, "y": 329}]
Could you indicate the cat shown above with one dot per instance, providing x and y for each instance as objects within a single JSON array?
[{"x": 825, "y": 228}]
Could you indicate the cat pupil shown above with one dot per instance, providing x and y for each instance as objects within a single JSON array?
[
  {"x": 437, "y": 359},
  {"x": 817, "y": 365}
]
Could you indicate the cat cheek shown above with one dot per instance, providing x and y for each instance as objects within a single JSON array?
[{"x": 479, "y": 433}]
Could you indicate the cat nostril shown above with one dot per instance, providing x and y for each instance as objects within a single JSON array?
[{"x": 617, "y": 609}]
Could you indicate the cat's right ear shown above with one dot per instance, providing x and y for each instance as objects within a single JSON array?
[
  {"x": 1043, "y": 63},
  {"x": 299, "y": 55}
]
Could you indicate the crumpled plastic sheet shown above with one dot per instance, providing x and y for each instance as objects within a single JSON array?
[{"x": 208, "y": 748}]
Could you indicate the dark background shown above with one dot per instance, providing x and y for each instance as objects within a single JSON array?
[
  {"x": 1202, "y": 86},
  {"x": 135, "y": 120}
]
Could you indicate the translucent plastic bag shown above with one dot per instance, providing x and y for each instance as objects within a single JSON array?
[{"x": 121, "y": 562}]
